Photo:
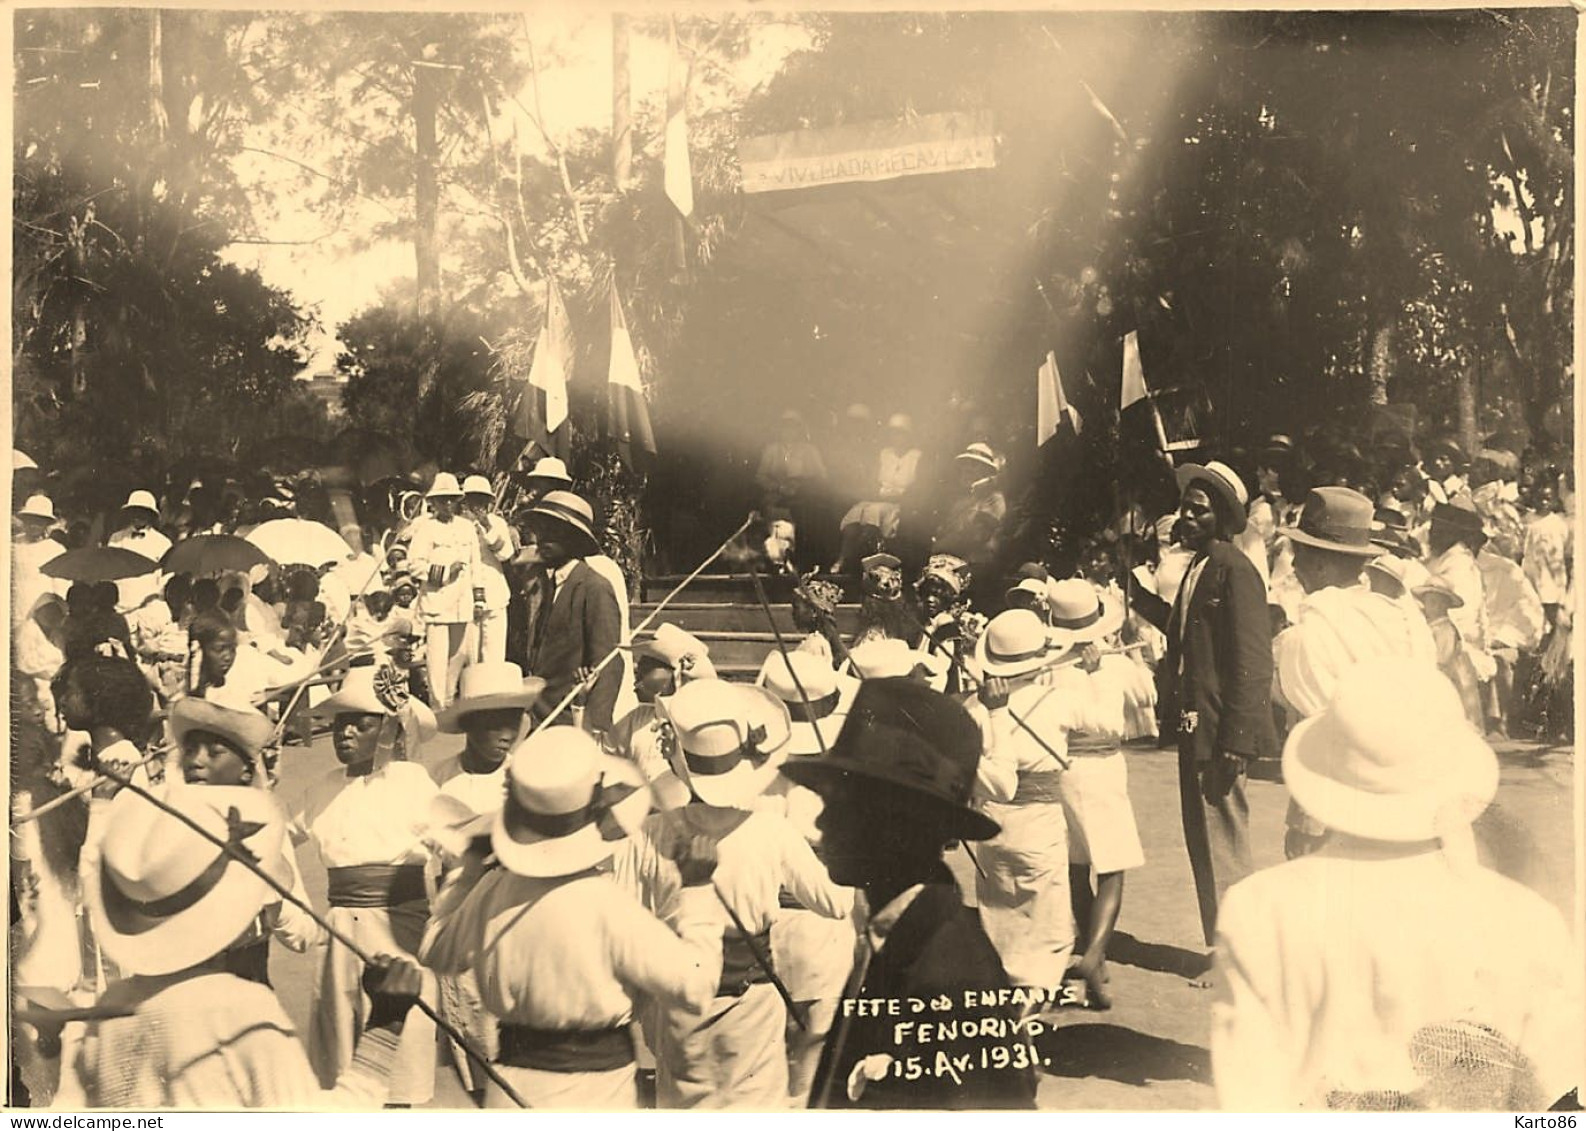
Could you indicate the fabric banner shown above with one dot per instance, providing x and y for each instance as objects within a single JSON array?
[
  {"x": 628, "y": 414},
  {"x": 678, "y": 172},
  {"x": 1133, "y": 372},
  {"x": 870, "y": 151},
  {"x": 542, "y": 408},
  {"x": 1051, "y": 403}
]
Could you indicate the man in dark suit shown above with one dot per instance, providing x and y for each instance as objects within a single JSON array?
[
  {"x": 1218, "y": 668},
  {"x": 578, "y": 623},
  {"x": 896, "y": 786}
]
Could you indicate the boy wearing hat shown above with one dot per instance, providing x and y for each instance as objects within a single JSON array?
[
  {"x": 578, "y": 622},
  {"x": 444, "y": 551},
  {"x": 1218, "y": 671},
  {"x": 496, "y": 548},
  {"x": 561, "y": 950},
  {"x": 1389, "y": 970},
  {"x": 139, "y": 535},
  {"x": 661, "y": 665},
  {"x": 896, "y": 787},
  {"x": 366, "y": 818},
  {"x": 730, "y": 738},
  {"x": 181, "y": 1032}
]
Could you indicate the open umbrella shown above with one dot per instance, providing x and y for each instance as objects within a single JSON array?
[
  {"x": 98, "y": 563},
  {"x": 297, "y": 541},
  {"x": 213, "y": 553}
]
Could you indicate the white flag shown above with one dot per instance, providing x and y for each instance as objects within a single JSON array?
[
  {"x": 1133, "y": 372},
  {"x": 1051, "y": 404},
  {"x": 678, "y": 173}
]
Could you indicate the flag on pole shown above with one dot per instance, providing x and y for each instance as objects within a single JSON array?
[
  {"x": 677, "y": 170},
  {"x": 1133, "y": 372},
  {"x": 628, "y": 416},
  {"x": 541, "y": 417},
  {"x": 1051, "y": 404}
]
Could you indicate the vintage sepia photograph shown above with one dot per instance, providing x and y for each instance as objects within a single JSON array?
[{"x": 615, "y": 558}]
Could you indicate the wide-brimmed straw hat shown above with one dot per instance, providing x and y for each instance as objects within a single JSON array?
[
  {"x": 912, "y": 744},
  {"x": 887, "y": 657},
  {"x": 567, "y": 514},
  {"x": 1226, "y": 487},
  {"x": 163, "y": 897},
  {"x": 1336, "y": 519},
  {"x": 39, "y": 507},
  {"x": 142, "y": 501},
  {"x": 1390, "y": 529},
  {"x": 444, "y": 487},
  {"x": 360, "y": 694},
  {"x": 981, "y": 455},
  {"x": 730, "y": 739},
  {"x": 1392, "y": 758},
  {"x": 486, "y": 686},
  {"x": 249, "y": 731},
  {"x": 1081, "y": 613},
  {"x": 1408, "y": 572},
  {"x": 568, "y": 806},
  {"x": 1435, "y": 588},
  {"x": 1016, "y": 643},
  {"x": 814, "y": 723},
  {"x": 679, "y": 650},
  {"x": 478, "y": 485}
]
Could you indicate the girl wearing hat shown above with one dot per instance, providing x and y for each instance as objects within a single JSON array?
[
  {"x": 366, "y": 818},
  {"x": 490, "y": 713},
  {"x": 444, "y": 551},
  {"x": 730, "y": 739},
  {"x": 180, "y": 1031},
  {"x": 1389, "y": 970},
  {"x": 562, "y": 951}
]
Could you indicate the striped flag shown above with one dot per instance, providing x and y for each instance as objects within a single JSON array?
[
  {"x": 1133, "y": 372},
  {"x": 677, "y": 169},
  {"x": 542, "y": 409},
  {"x": 1051, "y": 404},
  {"x": 628, "y": 416}
]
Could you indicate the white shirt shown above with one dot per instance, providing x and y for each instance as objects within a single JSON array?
[
  {"x": 898, "y": 471},
  {"x": 1547, "y": 553},
  {"x": 151, "y": 544},
  {"x": 437, "y": 543},
  {"x": 1338, "y": 628},
  {"x": 495, "y": 549},
  {"x": 1457, "y": 567},
  {"x": 483, "y": 793},
  {"x": 27, "y": 583},
  {"x": 373, "y": 819}
]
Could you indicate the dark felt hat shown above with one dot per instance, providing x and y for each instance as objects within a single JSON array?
[{"x": 1336, "y": 519}]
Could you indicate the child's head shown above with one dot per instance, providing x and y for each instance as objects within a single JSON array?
[
  {"x": 379, "y": 603},
  {"x": 492, "y": 733},
  {"x": 652, "y": 678},
  {"x": 178, "y": 590},
  {"x": 232, "y": 601},
  {"x": 205, "y": 594},
  {"x": 209, "y": 758},
  {"x": 216, "y": 638},
  {"x": 97, "y": 691},
  {"x": 80, "y": 598},
  {"x": 105, "y": 596}
]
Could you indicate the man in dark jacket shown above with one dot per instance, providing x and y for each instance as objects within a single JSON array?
[
  {"x": 1219, "y": 664},
  {"x": 578, "y": 623},
  {"x": 929, "y": 1019}
]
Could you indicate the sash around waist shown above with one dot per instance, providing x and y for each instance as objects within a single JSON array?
[
  {"x": 565, "y": 1050},
  {"x": 1040, "y": 786},
  {"x": 376, "y": 885},
  {"x": 739, "y": 969}
]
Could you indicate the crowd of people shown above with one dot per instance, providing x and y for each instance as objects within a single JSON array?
[{"x": 636, "y": 883}]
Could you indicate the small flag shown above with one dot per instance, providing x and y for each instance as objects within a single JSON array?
[
  {"x": 542, "y": 409},
  {"x": 1133, "y": 372},
  {"x": 1051, "y": 404},
  {"x": 628, "y": 416},
  {"x": 677, "y": 169}
]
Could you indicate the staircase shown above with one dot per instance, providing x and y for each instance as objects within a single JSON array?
[{"x": 723, "y": 611}]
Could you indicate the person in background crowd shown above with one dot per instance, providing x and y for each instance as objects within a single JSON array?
[
  {"x": 92, "y": 620},
  {"x": 660, "y": 666},
  {"x": 547, "y": 474},
  {"x": 496, "y": 548},
  {"x": 1447, "y": 469},
  {"x": 38, "y": 647},
  {"x": 579, "y": 623},
  {"x": 1029, "y": 591},
  {"x": 180, "y": 1031},
  {"x": 873, "y": 521},
  {"x": 376, "y": 630},
  {"x": 30, "y": 551},
  {"x": 444, "y": 551},
  {"x": 1548, "y": 551},
  {"x": 1496, "y": 494},
  {"x": 138, "y": 534},
  {"x": 851, "y": 470},
  {"x": 1337, "y": 989},
  {"x": 972, "y": 527},
  {"x": 951, "y": 626},
  {"x": 791, "y": 476},
  {"x": 896, "y": 788},
  {"x": 364, "y": 818},
  {"x": 1219, "y": 673},
  {"x": 885, "y": 613},
  {"x": 1515, "y": 627},
  {"x": 730, "y": 740},
  {"x": 1456, "y": 536},
  {"x": 564, "y": 956},
  {"x": 814, "y": 609},
  {"x": 1439, "y": 602}
]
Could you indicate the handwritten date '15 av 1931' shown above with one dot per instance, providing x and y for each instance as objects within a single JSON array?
[{"x": 951, "y": 1066}]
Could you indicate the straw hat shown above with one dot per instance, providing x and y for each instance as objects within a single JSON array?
[
  {"x": 142, "y": 501},
  {"x": 164, "y": 897},
  {"x": 1336, "y": 519},
  {"x": 951, "y": 570},
  {"x": 981, "y": 454},
  {"x": 478, "y": 485},
  {"x": 568, "y": 806},
  {"x": 550, "y": 468},
  {"x": 1392, "y": 758},
  {"x": 444, "y": 487},
  {"x": 1081, "y": 613},
  {"x": 248, "y": 730},
  {"x": 39, "y": 507},
  {"x": 568, "y": 514},
  {"x": 1408, "y": 572},
  {"x": 360, "y": 693},
  {"x": 730, "y": 739},
  {"x": 1015, "y": 643},
  {"x": 915, "y": 745},
  {"x": 1031, "y": 585},
  {"x": 814, "y": 724},
  {"x": 679, "y": 650},
  {"x": 1225, "y": 485},
  {"x": 486, "y": 686},
  {"x": 886, "y": 657}
]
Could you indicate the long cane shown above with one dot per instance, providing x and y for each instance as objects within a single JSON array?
[
  {"x": 237, "y": 853},
  {"x": 99, "y": 779}
]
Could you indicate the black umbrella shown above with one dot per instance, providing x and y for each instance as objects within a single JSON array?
[
  {"x": 98, "y": 563},
  {"x": 214, "y": 553}
]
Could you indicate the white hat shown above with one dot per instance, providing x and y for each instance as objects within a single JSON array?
[
  {"x": 679, "y": 650},
  {"x": 21, "y": 461},
  {"x": 901, "y": 421},
  {"x": 1032, "y": 585},
  {"x": 1392, "y": 758},
  {"x": 550, "y": 468},
  {"x": 814, "y": 724},
  {"x": 886, "y": 657},
  {"x": 141, "y": 501},
  {"x": 444, "y": 487},
  {"x": 477, "y": 485},
  {"x": 1016, "y": 643},
  {"x": 568, "y": 806},
  {"x": 359, "y": 695},
  {"x": 731, "y": 739},
  {"x": 1082, "y": 614},
  {"x": 1224, "y": 481},
  {"x": 38, "y": 506},
  {"x": 486, "y": 686},
  {"x": 980, "y": 453},
  {"x": 164, "y": 897}
]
